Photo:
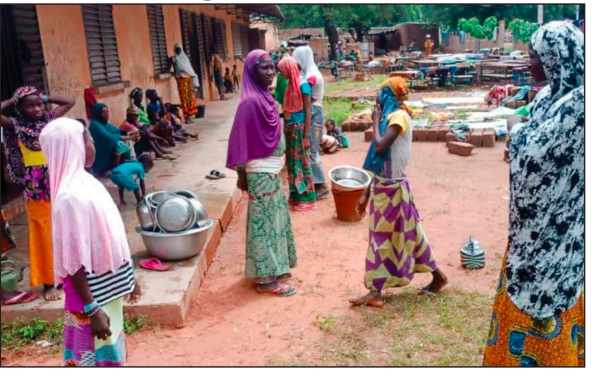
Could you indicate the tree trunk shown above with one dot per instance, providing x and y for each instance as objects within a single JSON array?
[
  {"x": 331, "y": 30},
  {"x": 360, "y": 32}
]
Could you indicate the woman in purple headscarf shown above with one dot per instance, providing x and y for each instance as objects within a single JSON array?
[{"x": 256, "y": 151}]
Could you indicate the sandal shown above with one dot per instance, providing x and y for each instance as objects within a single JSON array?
[
  {"x": 324, "y": 195},
  {"x": 154, "y": 264},
  {"x": 302, "y": 207},
  {"x": 283, "y": 290},
  {"x": 214, "y": 174},
  {"x": 22, "y": 298}
]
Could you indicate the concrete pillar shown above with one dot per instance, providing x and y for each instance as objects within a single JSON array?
[{"x": 501, "y": 33}]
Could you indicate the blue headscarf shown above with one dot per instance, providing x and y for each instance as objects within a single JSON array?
[{"x": 375, "y": 162}]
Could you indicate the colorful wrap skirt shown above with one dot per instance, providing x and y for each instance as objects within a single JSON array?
[
  {"x": 81, "y": 348},
  {"x": 517, "y": 339},
  {"x": 270, "y": 240},
  {"x": 187, "y": 95},
  {"x": 300, "y": 176},
  {"x": 398, "y": 245}
]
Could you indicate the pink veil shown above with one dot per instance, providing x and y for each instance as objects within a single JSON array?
[{"x": 87, "y": 228}]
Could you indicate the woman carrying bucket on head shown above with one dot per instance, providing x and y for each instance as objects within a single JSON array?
[{"x": 396, "y": 236}]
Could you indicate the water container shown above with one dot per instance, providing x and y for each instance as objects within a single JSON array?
[{"x": 472, "y": 255}]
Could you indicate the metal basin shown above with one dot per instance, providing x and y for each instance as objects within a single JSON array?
[
  {"x": 155, "y": 198},
  {"x": 175, "y": 214},
  {"x": 188, "y": 194},
  {"x": 145, "y": 216},
  {"x": 346, "y": 178},
  {"x": 176, "y": 246},
  {"x": 200, "y": 211}
]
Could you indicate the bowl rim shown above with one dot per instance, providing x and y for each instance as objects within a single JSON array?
[
  {"x": 364, "y": 185},
  {"x": 182, "y": 233}
]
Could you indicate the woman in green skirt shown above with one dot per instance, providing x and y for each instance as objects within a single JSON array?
[{"x": 256, "y": 151}]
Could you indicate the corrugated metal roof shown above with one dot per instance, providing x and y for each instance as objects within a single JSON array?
[{"x": 264, "y": 9}]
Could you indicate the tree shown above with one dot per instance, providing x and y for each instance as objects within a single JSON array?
[
  {"x": 476, "y": 30},
  {"x": 522, "y": 30},
  {"x": 327, "y": 14}
]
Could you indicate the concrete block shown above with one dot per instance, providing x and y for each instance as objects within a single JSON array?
[
  {"x": 477, "y": 138},
  {"x": 489, "y": 138},
  {"x": 422, "y": 134},
  {"x": 442, "y": 132},
  {"x": 432, "y": 135},
  {"x": 460, "y": 148},
  {"x": 368, "y": 134}
]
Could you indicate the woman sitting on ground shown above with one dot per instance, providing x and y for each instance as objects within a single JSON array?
[
  {"x": 110, "y": 142},
  {"x": 137, "y": 100},
  {"x": 393, "y": 256},
  {"x": 175, "y": 118},
  {"x": 256, "y": 151},
  {"x": 148, "y": 141}
]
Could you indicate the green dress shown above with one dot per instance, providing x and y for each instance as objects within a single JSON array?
[{"x": 270, "y": 239}]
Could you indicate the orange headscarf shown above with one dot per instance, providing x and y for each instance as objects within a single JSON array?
[
  {"x": 400, "y": 90},
  {"x": 293, "y": 100}
]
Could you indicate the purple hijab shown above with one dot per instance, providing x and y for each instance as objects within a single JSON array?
[{"x": 257, "y": 129}]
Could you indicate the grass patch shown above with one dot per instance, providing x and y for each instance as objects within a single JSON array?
[
  {"x": 443, "y": 330},
  {"x": 373, "y": 81},
  {"x": 337, "y": 109},
  {"x": 21, "y": 332}
]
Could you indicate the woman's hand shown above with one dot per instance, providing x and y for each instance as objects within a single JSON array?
[
  {"x": 136, "y": 294},
  {"x": 376, "y": 114},
  {"x": 306, "y": 142},
  {"x": 362, "y": 205},
  {"x": 241, "y": 182},
  {"x": 99, "y": 325}
]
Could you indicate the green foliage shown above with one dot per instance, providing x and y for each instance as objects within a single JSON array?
[
  {"x": 522, "y": 30},
  {"x": 477, "y": 30},
  {"x": 325, "y": 323},
  {"x": 134, "y": 325},
  {"x": 21, "y": 332},
  {"x": 337, "y": 109}
]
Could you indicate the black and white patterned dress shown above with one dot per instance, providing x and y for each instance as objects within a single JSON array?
[{"x": 545, "y": 261}]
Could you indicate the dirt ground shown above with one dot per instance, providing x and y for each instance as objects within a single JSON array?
[{"x": 230, "y": 324}]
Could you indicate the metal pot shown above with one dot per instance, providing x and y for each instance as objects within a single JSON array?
[
  {"x": 175, "y": 214},
  {"x": 145, "y": 216},
  {"x": 200, "y": 211},
  {"x": 176, "y": 246},
  {"x": 347, "y": 178},
  {"x": 156, "y": 198},
  {"x": 188, "y": 194}
]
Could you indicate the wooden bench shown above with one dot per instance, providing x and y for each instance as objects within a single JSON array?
[
  {"x": 496, "y": 76},
  {"x": 464, "y": 78}
]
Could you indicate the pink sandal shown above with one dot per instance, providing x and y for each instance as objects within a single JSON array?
[
  {"x": 154, "y": 264},
  {"x": 21, "y": 298},
  {"x": 302, "y": 207}
]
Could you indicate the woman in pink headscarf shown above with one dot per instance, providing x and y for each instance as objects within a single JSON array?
[
  {"x": 91, "y": 253},
  {"x": 256, "y": 151}
]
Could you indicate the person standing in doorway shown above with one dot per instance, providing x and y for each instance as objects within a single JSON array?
[
  {"x": 187, "y": 82},
  {"x": 27, "y": 166},
  {"x": 218, "y": 72},
  {"x": 304, "y": 56},
  {"x": 428, "y": 45}
]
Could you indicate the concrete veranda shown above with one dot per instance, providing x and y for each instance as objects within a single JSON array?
[{"x": 167, "y": 295}]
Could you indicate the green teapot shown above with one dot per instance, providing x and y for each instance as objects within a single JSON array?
[
  {"x": 472, "y": 255},
  {"x": 10, "y": 277}
]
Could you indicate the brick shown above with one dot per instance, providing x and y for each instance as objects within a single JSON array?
[
  {"x": 346, "y": 126},
  {"x": 450, "y": 138},
  {"x": 442, "y": 132},
  {"x": 368, "y": 134},
  {"x": 477, "y": 137},
  {"x": 432, "y": 135},
  {"x": 422, "y": 134},
  {"x": 516, "y": 104},
  {"x": 489, "y": 138},
  {"x": 414, "y": 136},
  {"x": 460, "y": 148}
]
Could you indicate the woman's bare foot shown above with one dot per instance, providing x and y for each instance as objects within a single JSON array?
[
  {"x": 438, "y": 283},
  {"x": 374, "y": 298},
  {"x": 50, "y": 293}
]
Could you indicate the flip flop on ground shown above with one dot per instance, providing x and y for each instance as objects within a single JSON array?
[
  {"x": 214, "y": 174},
  {"x": 21, "y": 297}
]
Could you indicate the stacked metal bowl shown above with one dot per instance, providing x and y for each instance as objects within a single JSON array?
[
  {"x": 347, "y": 178},
  {"x": 173, "y": 225}
]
